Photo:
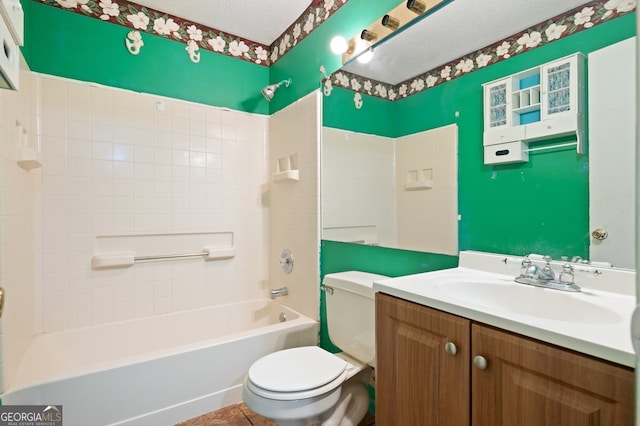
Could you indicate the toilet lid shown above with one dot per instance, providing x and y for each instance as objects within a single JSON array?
[{"x": 297, "y": 369}]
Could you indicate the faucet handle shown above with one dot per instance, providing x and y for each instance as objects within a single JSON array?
[
  {"x": 566, "y": 276},
  {"x": 524, "y": 266}
]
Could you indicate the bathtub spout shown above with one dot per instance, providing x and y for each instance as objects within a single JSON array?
[{"x": 278, "y": 292}]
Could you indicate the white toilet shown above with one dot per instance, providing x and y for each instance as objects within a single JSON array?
[{"x": 310, "y": 386}]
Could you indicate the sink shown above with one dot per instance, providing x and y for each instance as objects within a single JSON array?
[{"x": 507, "y": 295}]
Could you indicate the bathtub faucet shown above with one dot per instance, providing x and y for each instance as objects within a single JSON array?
[{"x": 278, "y": 292}]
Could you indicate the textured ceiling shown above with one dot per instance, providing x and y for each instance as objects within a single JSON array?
[{"x": 257, "y": 20}]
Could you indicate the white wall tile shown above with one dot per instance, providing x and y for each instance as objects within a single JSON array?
[{"x": 288, "y": 229}]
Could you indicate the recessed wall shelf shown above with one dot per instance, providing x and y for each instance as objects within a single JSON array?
[
  {"x": 413, "y": 186},
  {"x": 537, "y": 104},
  {"x": 27, "y": 157},
  {"x": 419, "y": 179},
  {"x": 286, "y": 175},
  {"x": 287, "y": 169}
]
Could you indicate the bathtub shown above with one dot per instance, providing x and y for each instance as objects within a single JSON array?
[{"x": 158, "y": 370}]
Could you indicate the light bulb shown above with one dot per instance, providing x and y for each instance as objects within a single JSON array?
[{"x": 338, "y": 45}]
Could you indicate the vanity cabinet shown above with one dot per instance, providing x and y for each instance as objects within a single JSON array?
[
  {"x": 434, "y": 368},
  {"x": 540, "y": 103}
]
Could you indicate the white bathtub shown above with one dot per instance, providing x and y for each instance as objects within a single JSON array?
[{"x": 158, "y": 370}]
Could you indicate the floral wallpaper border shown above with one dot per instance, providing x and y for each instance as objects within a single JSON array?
[
  {"x": 576, "y": 20},
  {"x": 195, "y": 36}
]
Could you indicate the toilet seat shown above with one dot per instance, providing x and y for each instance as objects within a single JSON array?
[{"x": 297, "y": 373}]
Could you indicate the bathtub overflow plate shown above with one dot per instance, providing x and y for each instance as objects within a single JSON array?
[{"x": 286, "y": 261}]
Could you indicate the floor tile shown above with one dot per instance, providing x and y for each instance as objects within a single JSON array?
[{"x": 241, "y": 415}]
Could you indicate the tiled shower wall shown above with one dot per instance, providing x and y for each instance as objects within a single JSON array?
[
  {"x": 117, "y": 162},
  {"x": 294, "y": 205},
  {"x": 18, "y": 241}
]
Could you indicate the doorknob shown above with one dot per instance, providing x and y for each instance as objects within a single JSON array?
[{"x": 599, "y": 234}]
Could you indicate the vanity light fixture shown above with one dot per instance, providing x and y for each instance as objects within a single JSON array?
[
  {"x": 390, "y": 22},
  {"x": 416, "y": 6},
  {"x": 270, "y": 90},
  {"x": 404, "y": 14}
]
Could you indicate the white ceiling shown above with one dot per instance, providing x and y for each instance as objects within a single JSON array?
[
  {"x": 459, "y": 28},
  {"x": 257, "y": 20}
]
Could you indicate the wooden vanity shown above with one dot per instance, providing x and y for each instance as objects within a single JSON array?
[{"x": 437, "y": 368}]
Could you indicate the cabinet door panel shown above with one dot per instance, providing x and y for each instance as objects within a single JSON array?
[
  {"x": 417, "y": 381},
  {"x": 531, "y": 383}
]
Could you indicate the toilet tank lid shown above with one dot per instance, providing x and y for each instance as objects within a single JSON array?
[{"x": 354, "y": 281}]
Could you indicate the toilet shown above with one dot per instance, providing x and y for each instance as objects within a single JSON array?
[{"x": 311, "y": 386}]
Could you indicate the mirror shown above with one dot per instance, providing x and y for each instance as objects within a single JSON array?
[{"x": 496, "y": 220}]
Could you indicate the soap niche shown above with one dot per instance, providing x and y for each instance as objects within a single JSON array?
[
  {"x": 419, "y": 179},
  {"x": 287, "y": 168},
  {"x": 27, "y": 157}
]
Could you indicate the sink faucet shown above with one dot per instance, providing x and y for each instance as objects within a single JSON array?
[
  {"x": 546, "y": 273},
  {"x": 545, "y": 277},
  {"x": 533, "y": 272}
]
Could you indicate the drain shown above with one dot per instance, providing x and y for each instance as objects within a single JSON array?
[{"x": 282, "y": 317}]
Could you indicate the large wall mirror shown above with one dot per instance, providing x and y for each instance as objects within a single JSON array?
[{"x": 413, "y": 186}]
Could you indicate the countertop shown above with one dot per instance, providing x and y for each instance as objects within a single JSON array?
[{"x": 610, "y": 291}]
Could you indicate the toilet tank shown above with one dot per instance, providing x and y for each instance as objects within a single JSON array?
[{"x": 351, "y": 313}]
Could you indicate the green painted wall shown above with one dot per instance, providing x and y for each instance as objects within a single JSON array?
[
  {"x": 377, "y": 116},
  {"x": 69, "y": 45}
]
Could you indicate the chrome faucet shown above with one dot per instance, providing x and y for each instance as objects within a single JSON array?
[
  {"x": 545, "y": 277},
  {"x": 546, "y": 273},
  {"x": 279, "y": 292}
]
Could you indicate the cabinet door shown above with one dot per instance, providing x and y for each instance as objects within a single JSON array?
[
  {"x": 418, "y": 380},
  {"x": 530, "y": 383},
  {"x": 561, "y": 81},
  {"x": 498, "y": 114},
  {"x": 496, "y": 108}
]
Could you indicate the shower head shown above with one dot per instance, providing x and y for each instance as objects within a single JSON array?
[{"x": 270, "y": 90}]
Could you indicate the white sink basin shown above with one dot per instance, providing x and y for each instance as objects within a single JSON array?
[{"x": 584, "y": 308}]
